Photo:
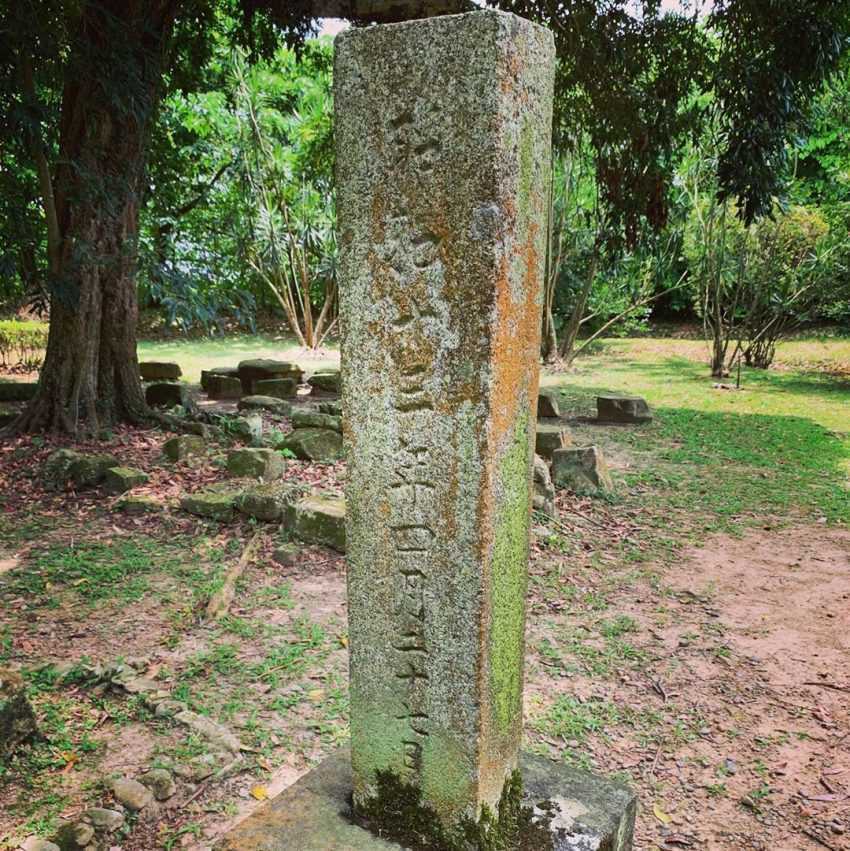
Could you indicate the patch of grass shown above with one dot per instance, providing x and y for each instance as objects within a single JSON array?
[
  {"x": 573, "y": 720},
  {"x": 95, "y": 571}
]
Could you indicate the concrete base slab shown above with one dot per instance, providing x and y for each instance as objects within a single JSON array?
[{"x": 583, "y": 812}]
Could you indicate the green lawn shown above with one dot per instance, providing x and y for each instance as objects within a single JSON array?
[
  {"x": 714, "y": 458},
  {"x": 194, "y": 355}
]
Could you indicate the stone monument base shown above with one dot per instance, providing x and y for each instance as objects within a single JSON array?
[{"x": 584, "y": 812}]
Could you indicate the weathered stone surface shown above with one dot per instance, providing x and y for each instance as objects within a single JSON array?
[
  {"x": 443, "y": 137},
  {"x": 547, "y": 405},
  {"x": 325, "y": 381},
  {"x": 216, "y": 505},
  {"x": 122, "y": 479},
  {"x": 549, "y": 437},
  {"x": 57, "y": 468},
  {"x": 572, "y": 811},
  {"x": 152, "y": 370},
  {"x": 184, "y": 446},
  {"x": 224, "y": 387},
  {"x": 74, "y": 835},
  {"x": 166, "y": 394},
  {"x": 226, "y": 371},
  {"x": 266, "y": 502},
  {"x": 257, "y": 462},
  {"x": 131, "y": 794},
  {"x": 248, "y": 428},
  {"x": 103, "y": 820},
  {"x": 90, "y": 470},
  {"x": 211, "y": 730},
  {"x": 314, "y": 444},
  {"x": 17, "y": 391},
  {"x": 17, "y": 719},
  {"x": 582, "y": 469},
  {"x": 286, "y": 554},
  {"x": 277, "y": 388},
  {"x": 306, "y": 418},
  {"x": 140, "y": 504},
  {"x": 160, "y": 782},
  {"x": 334, "y": 408},
  {"x": 319, "y": 520},
  {"x": 262, "y": 369},
  {"x": 35, "y": 843},
  {"x": 265, "y": 403},
  {"x": 544, "y": 490},
  {"x": 622, "y": 409}
]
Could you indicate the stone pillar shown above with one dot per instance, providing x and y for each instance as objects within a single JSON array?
[{"x": 443, "y": 157}]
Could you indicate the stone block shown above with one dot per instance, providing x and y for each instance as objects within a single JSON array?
[
  {"x": 57, "y": 468},
  {"x": 268, "y": 502},
  {"x": 443, "y": 129},
  {"x": 17, "y": 719},
  {"x": 262, "y": 369},
  {"x": 140, "y": 504},
  {"x": 549, "y": 437},
  {"x": 255, "y": 462},
  {"x": 183, "y": 447},
  {"x": 581, "y": 469},
  {"x": 159, "y": 370},
  {"x": 544, "y": 490},
  {"x": 224, "y": 387},
  {"x": 216, "y": 505},
  {"x": 87, "y": 471},
  {"x": 279, "y": 407},
  {"x": 122, "y": 479},
  {"x": 326, "y": 381},
  {"x": 168, "y": 394},
  {"x": 277, "y": 388},
  {"x": 306, "y": 418},
  {"x": 225, "y": 371},
  {"x": 319, "y": 520},
  {"x": 565, "y": 809},
  {"x": 332, "y": 407},
  {"x": 622, "y": 409},
  {"x": 547, "y": 405},
  {"x": 322, "y": 445},
  {"x": 17, "y": 391}
]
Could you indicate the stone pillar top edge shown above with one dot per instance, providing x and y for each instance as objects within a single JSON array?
[{"x": 358, "y": 33}]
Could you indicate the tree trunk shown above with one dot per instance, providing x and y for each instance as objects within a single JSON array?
[
  {"x": 90, "y": 377},
  {"x": 568, "y": 342}
]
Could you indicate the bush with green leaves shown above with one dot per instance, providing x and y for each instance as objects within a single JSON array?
[{"x": 22, "y": 343}]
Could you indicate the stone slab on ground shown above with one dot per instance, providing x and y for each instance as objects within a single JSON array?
[
  {"x": 581, "y": 469},
  {"x": 262, "y": 369},
  {"x": 217, "y": 505},
  {"x": 184, "y": 446},
  {"x": 153, "y": 370},
  {"x": 544, "y": 491},
  {"x": 547, "y": 405},
  {"x": 167, "y": 394},
  {"x": 123, "y": 479},
  {"x": 17, "y": 719},
  {"x": 320, "y": 445},
  {"x": 223, "y": 387},
  {"x": 307, "y": 418},
  {"x": 319, "y": 520},
  {"x": 622, "y": 409},
  {"x": 226, "y": 371},
  {"x": 584, "y": 812},
  {"x": 325, "y": 381},
  {"x": 265, "y": 403},
  {"x": 259, "y": 463},
  {"x": 549, "y": 437},
  {"x": 277, "y": 388}
]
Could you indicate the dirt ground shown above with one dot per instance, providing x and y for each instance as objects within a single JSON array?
[{"x": 716, "y": 682}]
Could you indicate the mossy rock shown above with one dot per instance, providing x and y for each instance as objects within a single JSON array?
[
  {"x": 184, "y": 446},
  {"x": 581, "y": 470},
  {"x": 140, "y": 504},
  {"x": 277, "y": 388},
  {"x": 622, "y": 409},
  {"x": 224, "y": 387},
  {"x": 547, "y": 405},
  {"x": 159, "y": 370},
  {"x": 90, "y": 470},
  {"x": 263, "y": 369},
  {"x": 167, "y": 394},
  {"x": 225, "y": 371},
  {"x": 17, "y": 719},
  {"x": 319, "y": 520},
  {"x": 216, "y": 505},
  {"x": 307, "y": 418},
  {"x": 123, "y": 479},
  {"x": 332, "y": 407},
  {"x": 256, "y": 463},
  {"x": 57, "y": 468},
  {"x": 280, "y": 407},
  {"x": 549, "y": 437},
  {"x": 325, "y": 381},
  {"x": 322, "y": 445},
  {"x": 268, "y": 502}
]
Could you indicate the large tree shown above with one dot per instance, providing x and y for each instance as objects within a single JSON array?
[{"x": 80, "y": 87}]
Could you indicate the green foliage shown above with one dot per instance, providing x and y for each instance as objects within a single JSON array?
[{"x": 22, "y": 343}]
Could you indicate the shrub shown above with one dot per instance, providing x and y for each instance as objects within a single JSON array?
[{"x": 22, "y": 343}]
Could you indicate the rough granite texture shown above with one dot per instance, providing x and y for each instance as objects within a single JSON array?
[
  {"x": 577, "y": 811},
  {"x": 443, "y": 150},
  {"x": 622, "y": 409}
]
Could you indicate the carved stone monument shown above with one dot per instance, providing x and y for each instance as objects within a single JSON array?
[{"x": 443, "y": 133}]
